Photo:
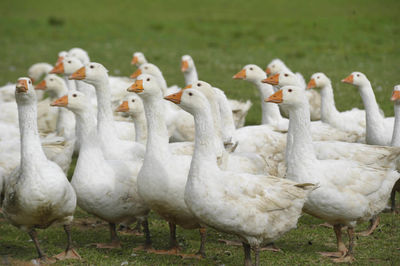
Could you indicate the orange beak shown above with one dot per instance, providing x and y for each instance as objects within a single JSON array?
[
  {"x": 273, "y": 80},
  {"x": 41, "y": 86},
  {"x": 395, "y": 96},
  {"x": 275, "y": 98},
  {"x": 175, "y": 98},
  {"x": 268, "y": 71},
  {"x": 62, "y": 102},
  {"x": 80, "y": 74},
  {"x": 124, "y": 107},
  {"x": 348, "y": 80},
  {"x": 58, "y": 69},
  {"x": 311, "y": 84},
  {"x": 137, "y": 86},
  {"x": 136, "y": 74},
  {"x": 59, "y": 59},
  {"x": 188, "y": 87},
  {"x": 184, "y": 65},
  {"x": 135, "y": 60},
  {"x": 22, "y": 86},
  {"x": 240, "y": 75}
]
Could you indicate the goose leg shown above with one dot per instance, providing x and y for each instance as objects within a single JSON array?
[
  {"x": 115, "y": 243},
  {"x": 203, "y": 236},
  {"x": 342, "y": 250},
  {"x": 33, "y": 235},
  {"x": 393, "y": 200},
  {"x": 148, "y": 242},
  {"x": 173, "y": 243},
  {"x": 348, "y": 257},
  {"x": 257, "y": 255},
  {"x": 374, "y": 222},
  {"x": 247, "y": 254},
  {"x": 69, "y": 252}
]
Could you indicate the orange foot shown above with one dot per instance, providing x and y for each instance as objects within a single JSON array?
[
  {"x": 44, "y": 260},
  {"x": 134, "y": 232},
  {"x": 326, "y": 225},
  {"x": 147, "y": 248},
  {"x": 111, "y": 245},
  {"x": 336, "y": 254},
  {"x": 70, "y": 254},
  {"x": 371, "y": 228}
]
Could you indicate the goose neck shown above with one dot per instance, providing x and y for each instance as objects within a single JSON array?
[
  {"x": 191, "y": 76},
  {"x": 299, "y": 135},
  {"x": 31, "y": 147},
  {"x": 328, "y": 108},
  {"x": 86, "y": 123},
  {"x": 396, "y": 127},
  {"x": 270, "y": 111},
  {"x": 157, "y": 139},
  {"x": 373, "y": 119},
  {"x": 139, "y": 121}
]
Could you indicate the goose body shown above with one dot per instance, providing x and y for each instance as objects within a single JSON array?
[
  {"x": 256, "y": 208},
  {"x": 367, "y": 187},
  {"x": 37, "y": 193}
]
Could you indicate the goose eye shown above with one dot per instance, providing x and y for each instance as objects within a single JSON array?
[
  {"x": 317, "y": 77},
  {"x": 251, "y": 68},
  {"x": 286, "y": 75},
  {"x": 51, "y": 79},
  {"x": 74, "y": 95},
  {"x": 358, "y": 75},
  {"x": 199, "y": 84},
  {"x": 190, "y": 94},
  {"x": 148, "y": 79},
  {"x": 69, "y": 62},
  {"x": 30, "y": 82},
  {"x": 273, "y": 66},
  {"x": 145, "y": 67},
  {"x": 133, "y": 100},
  {"x": 289, "y": 90},
  {"x": 92, "y": 66}
]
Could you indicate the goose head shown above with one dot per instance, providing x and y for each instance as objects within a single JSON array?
[
  {"x": 36, "y": 71},
  {"x": 138, "y": 59},
  {"x": 396, "y": 94},
  {"x": 75, "y": 101},
  {"x": 275, "y": 66},
  {"x": 53, "y": 84},
  {"x": 282, "y": 79},
  {"x": 187, "y": 63},
  {"x": 79, "y": 53},
  {"x": 24, "y": 91},
  {"x": 92, "y": 73},
  {"x": 67, "y": 66},
  {"x": 147, "y": 68},
  {"x": 357, "y": 79},
  {"x": 132, "y": 105},
  {"x": 61, "y": 56},
  {"x": 190, "y": 100},
  {"x": 252, "y": 73},
  {"x": 318, "y": 80},
  {"x": 288, "y": 95},
  {"x": 204, "y": 87},
  {"x": 146, "y": 86}
]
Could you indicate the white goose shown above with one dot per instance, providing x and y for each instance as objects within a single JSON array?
[
  {"x": 379, "y": 129},
  {"x": 162, "y": 179},
  {"x": 349, "y": 121},
  {"x": 256, "y": 208},
  {"x": 113, "y": 147},
  {"x": 349, "y": 191},
  {"x": 133, "y": 105},
  {"x": 138, "y": 59},
  {"x": 277, "y": 66},
  {"x": 37, "y": 194},
  {"x": 104, "y": 188},
  {"x": 178, "y": 129},
  {"x": 230, "y": 109},
  {"x": 270, "y": 112}
]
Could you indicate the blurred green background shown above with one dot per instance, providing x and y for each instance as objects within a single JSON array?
[{"x": 335, "y": 37}]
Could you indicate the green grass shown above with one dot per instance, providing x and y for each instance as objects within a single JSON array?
[{"x": 335, "y": 37}]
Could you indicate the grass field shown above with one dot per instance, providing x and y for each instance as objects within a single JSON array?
[{"x": 335, "y": 37}]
